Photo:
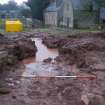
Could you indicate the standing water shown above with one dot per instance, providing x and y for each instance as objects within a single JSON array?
[
  {"x": 35, "y": 66},
  {"x": 43, "y": 51}
]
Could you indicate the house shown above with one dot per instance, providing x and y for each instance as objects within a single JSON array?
[
  {"x": 56, "y": 13},
  {"x": 102, "y": 14},
  {"x": 51, "y": 14},
  {"x": 70, "y": 13}
]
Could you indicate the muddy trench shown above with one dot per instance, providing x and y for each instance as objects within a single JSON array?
[
  {"x": 35, "y": 81},
  {"x": 42, "y": 64}
]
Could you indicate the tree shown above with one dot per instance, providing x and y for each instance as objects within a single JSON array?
[
  {"x": 11, "y": 5},
  {"x": 26, "y": 13},
  {"x": 99, "y": 5},
  {"x": 86, "y": 5},
  {"x": 37, "y": 8}
]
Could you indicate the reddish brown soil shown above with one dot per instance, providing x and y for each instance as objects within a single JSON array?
[{"x": 87, "y": 52}]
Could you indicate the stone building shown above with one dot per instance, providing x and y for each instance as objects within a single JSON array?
[
  {"x": 51, "y": 14},
  {"x": 70, "y": 13},
  {"x": 60, "y": 12}
]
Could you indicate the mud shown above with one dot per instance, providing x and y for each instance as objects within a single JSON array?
[
  {"x": 81, "y": 54},
  {"x": 12, "y": 50},
  {"x": 87, "y": 52}
]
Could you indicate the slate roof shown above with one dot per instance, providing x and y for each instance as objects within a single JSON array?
[
  {"x": 76, "y": 4},
  {"x": 52, "y": 7}
]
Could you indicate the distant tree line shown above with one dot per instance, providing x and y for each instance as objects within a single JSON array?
[
  {"x": 11, "y": 5},
  {"x": 23, "y": 9}
]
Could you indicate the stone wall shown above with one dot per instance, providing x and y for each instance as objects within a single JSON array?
[{"x": 51, "y": 18}]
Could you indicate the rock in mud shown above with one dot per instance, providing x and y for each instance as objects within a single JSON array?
[
  {"x": 96, "y": 100},
  {"x": 4, "y": 91},
  {"x": 48, "y": 60}
]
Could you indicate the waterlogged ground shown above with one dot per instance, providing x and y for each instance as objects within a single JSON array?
[
  {"x": 23, "y": 88},
  {"x": 37, "y": 67},
  {"x": 26, "y": 90}
]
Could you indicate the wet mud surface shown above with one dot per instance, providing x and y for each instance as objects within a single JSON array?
[{"x": 78, "y": 55}]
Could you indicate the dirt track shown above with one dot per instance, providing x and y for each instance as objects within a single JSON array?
[{"x": 79, "y": 55}]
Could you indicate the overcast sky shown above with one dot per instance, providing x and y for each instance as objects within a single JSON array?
[{"x": 18, "y": 1}]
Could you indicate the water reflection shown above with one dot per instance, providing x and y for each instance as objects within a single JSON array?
[
  {"x": 43, "y": 52},
  {"x": 34, "y": 66},
  {"x": 39, "y": 69},
  {"x": 29, "y": 61}
]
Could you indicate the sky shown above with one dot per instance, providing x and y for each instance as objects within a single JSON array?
[{"x": 18, "y": 1}]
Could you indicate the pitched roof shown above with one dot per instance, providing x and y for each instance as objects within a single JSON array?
[
  {"x": 52, "y": 7},
  {"x": 76, "y": 4}
]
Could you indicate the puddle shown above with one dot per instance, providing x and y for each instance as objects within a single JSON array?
[
  {"x": 35, "y": 66},
  {"x": 39, "y": 69},
  {"x": 44, "y": 52}
]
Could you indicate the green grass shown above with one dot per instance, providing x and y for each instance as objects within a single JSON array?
[
  {"x": 2, "y": 31},
  {"x": 52, "y": 31},
  {"x": 64, "y": 31},
  {"x": 1, "y": 22}
]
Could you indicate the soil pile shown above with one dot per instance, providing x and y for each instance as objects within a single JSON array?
[
  {"x": 15, "y": 49},
  {"x": 86, "y": 50}
]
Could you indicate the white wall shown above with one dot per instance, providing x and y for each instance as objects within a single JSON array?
[
  {"x": 51, "y": 18},
  {"x": 68, "y": 14}
]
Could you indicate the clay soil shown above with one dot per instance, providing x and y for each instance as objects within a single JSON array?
[{"x": 80, "y": 54}]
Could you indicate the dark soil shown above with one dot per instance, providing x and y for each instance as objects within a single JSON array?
[
  {"x": 12, "y": 50},
  {"x": 85, "y": 51}
]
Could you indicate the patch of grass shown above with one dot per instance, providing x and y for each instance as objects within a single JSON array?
[
  {"x": 64, "y": 31},
  {"x": 1, "y": 22},
  {"x": 2, "y": 31},
  {"x": 26, "y": 29}
]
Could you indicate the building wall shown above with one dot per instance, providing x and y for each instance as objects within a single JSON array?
[
  {"x": 63, "y": 16},
  {"x": 51, "y": 18},
  {"x": 68, "y": 14}
]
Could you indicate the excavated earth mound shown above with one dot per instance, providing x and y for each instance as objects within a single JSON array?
[
  {"x": 86, "y": 50},
  {"x": 14, "y": 49}
]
